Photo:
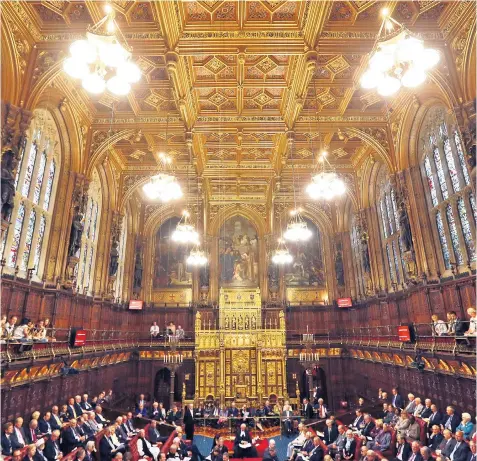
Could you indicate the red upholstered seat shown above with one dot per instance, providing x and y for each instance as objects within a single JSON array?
[
  {"x": 423, "y": 432},
  {"x": 165, "y": 447},
  {"x": 70, "y": 456}
]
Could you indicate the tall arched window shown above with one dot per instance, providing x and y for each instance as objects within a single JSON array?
[
  {"x": 388, "y": 212},
  {"x": 449, "y": 193},
  {"x": 357, "y": 258},
  {"x": 122, "y": 256},
  {"x": 35, "y": 185},
  {"x": 89, "y": 239}
]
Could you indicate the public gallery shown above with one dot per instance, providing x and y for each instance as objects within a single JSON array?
[{"x": 238, "y": 230}]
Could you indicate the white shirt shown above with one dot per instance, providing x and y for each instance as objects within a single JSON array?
[
  {"x": 440, "y": 327},
  {"x": 154, "y": 329},
  {"x": 19, "y": 436}
]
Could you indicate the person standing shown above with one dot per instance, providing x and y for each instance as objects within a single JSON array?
[{"x": 189, "y": 422}]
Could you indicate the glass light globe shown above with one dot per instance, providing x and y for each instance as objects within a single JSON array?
[
  {"x": 185, "y": 233},
  {"x": 118, "y": 86},
  {"x": 94, "y": 83},
  {"x": 381, "y": 61},
  {"x": 129, "y": 72},
  {"x": 388, "y": 86},
  {"x": 371, "y": 79},
  {"x": 428, "y": 59},
  {"x": 84, "y": 51},
  {"x": 75, "y": 68},
  {"x": 282, "y": 256},
  {"x": 413, "y": 77},
  {"x": 297, "y": 231},
  {"x": 409, "y": 49},
  {"x": 112, "y": 54}
]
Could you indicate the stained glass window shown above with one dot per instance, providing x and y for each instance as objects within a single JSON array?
[
  {"x": 390, "y": 265},
  {"x": 443, "y": 240},
  {"x": 17, "y": 234},
  {"x": 451, "y": 165},
  {"x": 390, "y": 213},
  {"x": 440, "y": 174},
  {"x": 49, "y": 185},
  {"x": 29, "y": 169},
  {"x": 466, "y": 230},
  {"x": 461, "y": 157},
  {"x": 430, "y": 181},
  {"x": 383, "y": 217},
  {"x": 39, "y": 242},
  {"x": 39, "y": 178},
  {"x": 28, "y": 240},
  {"x": 396, "y": 262},
  {"x": 454, "y": 235},
  {"x": 395, "y": 210},
  {"x": 473, "y": 205}
]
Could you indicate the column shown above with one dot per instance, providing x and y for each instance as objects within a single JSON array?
[{"x": 171, "y": 392}]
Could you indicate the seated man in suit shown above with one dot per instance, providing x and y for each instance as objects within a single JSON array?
[
  {"x": 71, "y": 409},
  {"x": 55, "y": 420},
  {"x": 451, "y": 420},
  {"x": 108, "y": 447},
  {"x": 338, "y": 444},
  {"x": 242, "y": 438},
  {"x": 419, "y": 407},
  {"x": 270, "y": 455},
  {"x": 435, "y": 438},
  {"x": 154, "y": 436},
  {"x": 426, "y": 454},
  {"x": 77, "y": 405},
  {"x": 52, "y": 447},
  {"x": 33, "y": 433},
  {"x": 359, "y": 420},
  {"x": 427, "y": 410},
  {"x": 316, "y": 454},
  {"x": 305, "y": 449},
  {"x": 121, "y": 434},
  {"x": 19, "y": 439},
  {"x": 141, "y": 411},
  {"x": 7, "y": 449},
  {"x": 85, "y": 405},
  {"x": 100, "y": 419},
  {"x": 145, "y": 448},
  {"x": 403, "y": 448},
  {"x": 434, "y": 418},
  {"x": 330, "y": 432},
  {"x": 461, "y": 448},
  {"x": 447, "y": 444},
  {"x": 72, "y": 437},
  {"x": 382, "y": 441},
  {"x": 415, "y": 452},
  {"x": 367, "y": 427},
  {"x": 44, "y": 424},
  {"x": 271, "y": 445},
  {"x": 174, "y": 415}
]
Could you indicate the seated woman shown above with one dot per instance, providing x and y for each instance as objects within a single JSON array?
[
  {"x": 39, "y": 332},
  {"x": 466, "y": 426},
  {"x": 350, "y": 446},
  {"x": 413, "y": 432},
  {"x": 298, "y": 441},
  {"x": 402, "y": 423}
]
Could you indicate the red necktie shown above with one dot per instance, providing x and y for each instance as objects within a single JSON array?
[{"x": 33, "y": 435}]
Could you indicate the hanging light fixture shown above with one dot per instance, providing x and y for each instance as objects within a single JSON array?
[
  {"x": 101, "y": 61},
  {"x": 197, "y": 257},
  {"x": 326, "y": 184},
  {"x": 282, "y": 255},
  {"x": 185, "y": 231},
  {"x": 397, "y": 59},
  {"x": 164, "y": 185},
  {"x": 297, "y": 228}
]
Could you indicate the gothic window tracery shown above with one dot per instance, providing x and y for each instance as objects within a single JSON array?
[
  {"x": 35, "y": 189},
  {"x": 89, "y": 238},
  {"x": 357, "y": 258},
  {"x": 121, "y": 259},
  {"x": 451, "y": 203}
]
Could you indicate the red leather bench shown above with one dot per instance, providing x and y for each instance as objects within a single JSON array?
[
  {"x": 168, "y": 443},
  {"x": 423, "y": 433},
  {"x": 70, "y": 456}
]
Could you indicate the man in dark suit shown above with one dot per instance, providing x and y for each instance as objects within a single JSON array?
[
  {"x": 427, "y": 411},
  {"x": 447, "y": 445},
  {"x": 44, "y": 424},
  {"x": 107, "y": 449},
  {"x": 359, "y": 420},
  {"x": 397, "y": 400},
  {"x": 330, "y": 432},
  {"x": 403, "y": 448},
  {"x": 243, "y": 436},
  {"x": 99, "y": 418},
  {"x": 307, "y": 409},
  {"x": 52, "y": 447},
  {"x": 435, "y": 418},
  {"x": 72, "y": 437},
  {"x": 461, "y": 449},
  {"x": 85, "y": 404},
  {"x": 189, "y": 422},
  {"x": 174, "y": 416},
  {"x": 451, "y": 420},
  {"x": 7, "y": 449},
  {"x": 472, "y": 447},
  {"x": 306, "y": 448},
  {"x": 368, "y": 426},
  {"x": 436, "y": 438},
  {"x": 316, "y": 454},
  {"x": 272, "y": 445},
  {"x": 141, "y": 401},
  {"x": 415, "y": 452},
  {"x": 121, "y": 433},
  {"x": 19, "y": 438},
  {"x": 77, "y": 405},
  {"x": 154, "y": 436},
  {"x": 33, "y": 433},
  {"x": 141, "y": 411},
  {"x": 71, "y": 409},
  {"x": 270, "y": 454},
  {"x": 55, "y": 421}
]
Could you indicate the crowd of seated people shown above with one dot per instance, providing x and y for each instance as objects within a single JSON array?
[
  {"x": 454, "y": 325},
  {"x": 170, "y": 331},
  {"x": 61, "y": 430},
  {"x": 25, "y": 331}
]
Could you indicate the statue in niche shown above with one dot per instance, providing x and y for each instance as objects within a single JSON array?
[
  {"x": 405, "y": 228},
  {"x": 273, "y": 275},
  {"x": 204, "y": 276},
  {"x": 247, "y": 323},
  {"x": 339, "y": 268},
  {"x": 77, "y": 226},
  {"x": 234, "y": 324},
  {"x": 114, "y": 259},
  {"x": 240, "y": 323},
  {"x": 8, "y": 183},
  {"x": 227, "y": 323},
  {"x": 365, "y": 252},
  {"x": 137, "y": 271},
  {"x": 254, "y": 322}
]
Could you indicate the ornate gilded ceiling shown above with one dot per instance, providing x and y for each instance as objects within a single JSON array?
[{"x": 232, "y": 80}]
